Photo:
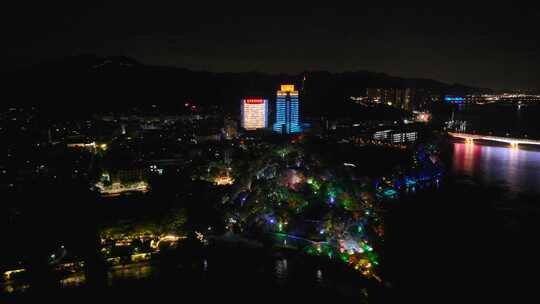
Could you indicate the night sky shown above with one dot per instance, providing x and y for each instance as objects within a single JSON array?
[{"x": 473, "y": 45}]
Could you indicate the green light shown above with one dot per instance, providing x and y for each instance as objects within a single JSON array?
[{"x": 347, "y": 203}]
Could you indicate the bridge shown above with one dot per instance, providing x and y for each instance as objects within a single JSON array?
[{"x": 514, "y": 142}]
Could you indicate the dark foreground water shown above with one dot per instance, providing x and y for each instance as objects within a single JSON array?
[
  {"x": 464, "y": 242},
  {"x": 474, "y": 238},
  {"x": 226, "y": 273}
]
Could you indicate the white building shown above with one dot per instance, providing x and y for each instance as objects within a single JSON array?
[{"x": 254, "y": 113}]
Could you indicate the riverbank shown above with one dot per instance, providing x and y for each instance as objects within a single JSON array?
[{"x": 230, "y": 272}]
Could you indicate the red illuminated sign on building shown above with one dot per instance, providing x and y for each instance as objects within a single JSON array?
[{"x": 254, "y": 101}]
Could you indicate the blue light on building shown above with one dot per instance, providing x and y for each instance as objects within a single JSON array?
[
  {"x": 287, "y": 111},
  {"x": 454, "y": 99}
]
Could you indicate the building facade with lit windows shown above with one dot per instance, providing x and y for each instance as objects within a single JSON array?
[
  {"x": 287, "y": 111},
  {"x": 254, "y": 113},
  {"x": 396, "y": 97}
]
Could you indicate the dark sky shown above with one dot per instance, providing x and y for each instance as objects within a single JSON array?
[{"x": 497, "y": 47}]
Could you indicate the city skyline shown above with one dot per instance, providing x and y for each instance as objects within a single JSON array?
[{"x": 295, "y": 152}]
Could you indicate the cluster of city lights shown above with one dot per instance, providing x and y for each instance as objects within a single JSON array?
[
  {"x": 119, "y": 188},
  {"x": 347, "y": 225},
  {"x": 224, "y": 180},
  {"x": 351, "y": 223}
]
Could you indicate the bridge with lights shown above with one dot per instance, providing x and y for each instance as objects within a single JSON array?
[{"x": 514, "y": 142}]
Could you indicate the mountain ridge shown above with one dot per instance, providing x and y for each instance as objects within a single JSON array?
[{"x": 97, "y": 83}]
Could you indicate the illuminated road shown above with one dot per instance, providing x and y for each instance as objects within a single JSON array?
[{"x": 514, "y": 142}]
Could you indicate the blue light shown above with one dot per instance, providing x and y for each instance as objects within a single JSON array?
[
  {"x": 390, "y": 192},
  {"x": 454, "y": 99},
  {"x": 409, "y": 181},
  {"x": 332, "y": 200},
  {"x": 287, "y": 113}
]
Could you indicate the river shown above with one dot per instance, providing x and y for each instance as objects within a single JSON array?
[
  {"x": 501, "y": 119},
  {"x": 517, "y": 170},
  {"x": 474, "y": 238}
]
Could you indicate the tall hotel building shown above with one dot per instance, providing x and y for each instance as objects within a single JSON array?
[
  {"x": 254, "y": 113},
  {"x": 287, "y": 111}
]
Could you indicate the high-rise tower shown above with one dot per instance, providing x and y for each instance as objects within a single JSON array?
[
  {"x": 287, "y": 110},
  {"x": 254, "y": 113}
]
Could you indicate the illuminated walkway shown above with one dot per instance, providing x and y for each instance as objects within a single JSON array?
[{"x": 514, "y": 142}]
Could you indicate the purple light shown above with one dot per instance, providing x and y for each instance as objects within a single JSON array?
[{"x": 516, "y": 169}]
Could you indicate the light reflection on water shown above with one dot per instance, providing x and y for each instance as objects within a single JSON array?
[
  {"x": 76, "y": 279},
  {"x": 14, "y": 287},
  {"x": 319, "y": 276},
  {"x": 281, "y": 269},
  {"x": 130, "y": 272},
  {"x": 517, "y": 169}
]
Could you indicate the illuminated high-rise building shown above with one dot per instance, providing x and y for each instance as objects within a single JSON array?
[
  {"x": 287, "y": 110},
  {"x": 389, "y": 96},
  {"x": 408, "y": 98},
  {"x": 374, "y": 95},
  {"x": 396, "y": 97},
  {"x": 254, "y": 113}
]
